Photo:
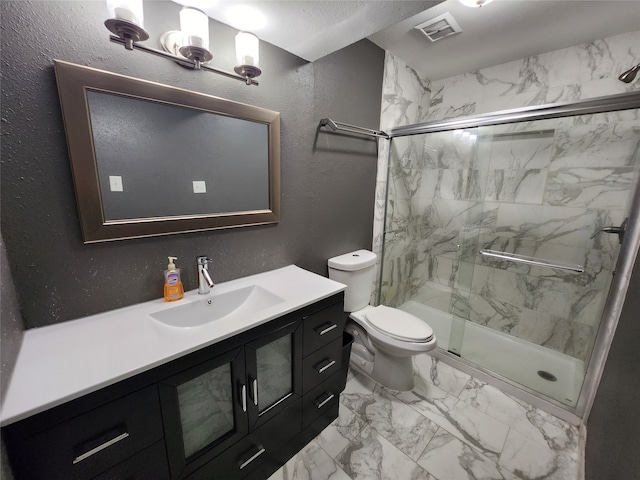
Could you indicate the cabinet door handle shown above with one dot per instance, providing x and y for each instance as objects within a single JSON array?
[
  {"x": 325, "y": 328},
  {"x": 254, "y": 385},
  {"x": 101, "y": 447},
  {"x": 324, "y": 365},
  {"x": 320, "y": 402},
  {"x": 252, "y": 456},
  {"x": 244, "y": 398}
]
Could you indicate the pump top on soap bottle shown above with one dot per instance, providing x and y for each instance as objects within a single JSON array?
[{"x": 173, "y": 289}]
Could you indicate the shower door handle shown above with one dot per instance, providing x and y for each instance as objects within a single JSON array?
[{"x": 613, "y": 229}]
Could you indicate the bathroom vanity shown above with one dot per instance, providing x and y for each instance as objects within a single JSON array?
[{"x": 147, "y": 392}]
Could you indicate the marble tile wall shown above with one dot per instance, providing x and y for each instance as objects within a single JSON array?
[
  {"x": 539, "y": 189},
  {"x": 405, "y": 101}
]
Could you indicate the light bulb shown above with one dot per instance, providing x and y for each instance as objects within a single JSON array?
[
  {"x": 247, "y": 49},
  {"x": 194, "y": 25},
  {"x": 129, "y": 10}
]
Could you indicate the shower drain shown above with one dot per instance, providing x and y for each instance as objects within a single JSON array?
[{"x": 547, "y": 376}]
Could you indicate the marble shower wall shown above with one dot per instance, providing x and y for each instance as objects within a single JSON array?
[
  {"x": 405, "y": 101},
  {"x": 538, "y": 188}
]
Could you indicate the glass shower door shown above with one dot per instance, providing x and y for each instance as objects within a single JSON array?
[
  {"x": 433, "y": 205},
  {"x": 491, "y": 237}
]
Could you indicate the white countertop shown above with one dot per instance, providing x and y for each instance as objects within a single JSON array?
[{"x": 65, "y": 361}]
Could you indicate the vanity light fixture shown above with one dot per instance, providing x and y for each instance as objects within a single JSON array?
[
  {"x": 188, "y": 47},
  {"x": 474, "y": 3}
]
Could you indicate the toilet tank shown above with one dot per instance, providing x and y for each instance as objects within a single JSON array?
[{"x": 357, "y": 271}]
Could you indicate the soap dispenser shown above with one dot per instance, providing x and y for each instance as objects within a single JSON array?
[{"x": 173, "y": 289}]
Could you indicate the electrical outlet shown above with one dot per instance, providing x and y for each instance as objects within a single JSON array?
[
  {"x": 199, "y": 186},
  {"x": 115, "y": 183}
]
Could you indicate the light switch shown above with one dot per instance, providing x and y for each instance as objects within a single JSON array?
[
  {"x": 199, "y": 186},
  {"x": 115, "y": 183}
]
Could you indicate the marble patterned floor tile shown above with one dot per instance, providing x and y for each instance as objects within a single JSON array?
[
  {"x": 404, "y": 427},
  {"x": 360, "y": 384},
  {"x": 469, "y": 424},
  {"x": 449, "y": 458},
  {"x": 532, "y": 422},
  {"x": 341, "y": 432},
  {"x": 372, "y": 457},
  {"x": 531, "y": 460},
  {"x": 440, "y": 374},
  {"x": 310, "y": 463}
]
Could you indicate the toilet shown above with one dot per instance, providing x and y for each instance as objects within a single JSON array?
[{"x": 385, "y": 338}]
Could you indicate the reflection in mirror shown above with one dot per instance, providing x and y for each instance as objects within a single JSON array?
[
  {"x": 171, "y": 160},
  {"x": 150, "y": 159}
]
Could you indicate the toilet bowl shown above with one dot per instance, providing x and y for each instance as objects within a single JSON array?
[{"x": 385, "y": 338}]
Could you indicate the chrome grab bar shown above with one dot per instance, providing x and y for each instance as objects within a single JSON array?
[{"x": 514, "y": 257}]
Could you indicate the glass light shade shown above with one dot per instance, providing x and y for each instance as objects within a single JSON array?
[
  {"x": 194, "y": 25},
  {"x": 474, "y": 3},
  {"x": 129, "y": 10},
  {"x": 247, "y": 49}
]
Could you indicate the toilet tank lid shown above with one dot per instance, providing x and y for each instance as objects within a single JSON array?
[{"x": 353, "y": 260}]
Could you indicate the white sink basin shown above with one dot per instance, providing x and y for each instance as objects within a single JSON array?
[{"x": 212, "y": 307}]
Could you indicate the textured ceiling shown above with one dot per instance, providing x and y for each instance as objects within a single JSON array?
[
  {"x": 502, "y": 31},
  {"x": 506, "y": 30}
]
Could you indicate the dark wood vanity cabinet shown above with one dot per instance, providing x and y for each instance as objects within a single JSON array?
[
  {"x": 237, "y": 409},
  {"x": 89, "y": 444},
  {"x": 214, "y": 405}
]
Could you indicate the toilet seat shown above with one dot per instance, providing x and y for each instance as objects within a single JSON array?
[{"x": 398, "y": 324}]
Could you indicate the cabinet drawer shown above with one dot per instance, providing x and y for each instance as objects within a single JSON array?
[
  {"x": 262, "y": 445},
  {"x": 321, "y": 364},
  {"x": 323, "y": 327},
  {"x": 321, "y": 399},
  {"x": 149, "y": 464},
  {"x": 93, "y": 442}
]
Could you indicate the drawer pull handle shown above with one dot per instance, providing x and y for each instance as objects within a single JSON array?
[
  {"x": 325, "y": 328},
  {"x": 246, "y": 462},
  {"x": 99, "y": 448},
  {"x": 244, "y": 398},
  {"x": 324, "y": 365},
  {"x": 322, "y": 403}
]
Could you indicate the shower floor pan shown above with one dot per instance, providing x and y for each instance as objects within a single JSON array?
[{"x": 523, "y": 362}]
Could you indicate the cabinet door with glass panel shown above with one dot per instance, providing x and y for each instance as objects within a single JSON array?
[
  {"x": 204, "y": 411},
  {"x": 274, "y": 372}
]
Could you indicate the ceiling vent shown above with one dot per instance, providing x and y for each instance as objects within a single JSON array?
[{"x": 439, "y": 27}]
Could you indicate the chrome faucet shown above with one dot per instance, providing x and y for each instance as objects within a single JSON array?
[{"x": 204, "y": 279}]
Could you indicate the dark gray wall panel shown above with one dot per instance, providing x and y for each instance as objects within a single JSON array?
[
  {"x": 327, "y": 180},
  {"x": 613, "y": 428}
]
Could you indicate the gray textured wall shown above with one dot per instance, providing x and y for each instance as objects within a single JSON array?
[
  {"x": 327, "y": 180},
  {"x": 613, "y": 428}
]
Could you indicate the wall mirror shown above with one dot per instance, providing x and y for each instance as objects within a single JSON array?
[{"x": 151, "y": 159}]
